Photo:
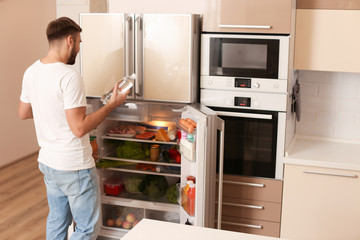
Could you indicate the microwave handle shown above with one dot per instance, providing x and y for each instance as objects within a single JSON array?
[
  {"x": 221, "y": 128},
  {"x": 245, "y": 26}
]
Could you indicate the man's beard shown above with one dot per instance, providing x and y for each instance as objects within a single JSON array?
[{"x": 71, "y": 60}]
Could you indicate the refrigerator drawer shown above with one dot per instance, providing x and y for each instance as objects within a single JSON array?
[
  {"x": 119, "y": 217},
  {"x": 261, "y": 189},
  {"x": 251, "y": 209},
  {"x": 266, "y": 228}
]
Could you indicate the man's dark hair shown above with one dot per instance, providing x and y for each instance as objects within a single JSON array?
[{"x": 62, "y": 27}]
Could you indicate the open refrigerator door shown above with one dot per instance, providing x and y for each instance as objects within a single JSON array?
[{"x": 146, "y": 156}]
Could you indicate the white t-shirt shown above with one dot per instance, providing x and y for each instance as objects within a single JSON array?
[{"x": 51, "y": 89}]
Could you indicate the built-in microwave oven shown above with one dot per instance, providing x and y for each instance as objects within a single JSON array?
[{"x": 229, "y": 57}]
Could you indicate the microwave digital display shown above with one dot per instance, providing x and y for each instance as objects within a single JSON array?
[{"x": 242, "y": 82}]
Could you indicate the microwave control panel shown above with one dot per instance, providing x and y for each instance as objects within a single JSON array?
[{"x": 242, "y": 82}]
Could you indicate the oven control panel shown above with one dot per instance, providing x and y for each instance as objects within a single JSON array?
[
  {"x": 242, "y": 101},
  {"x": 243, "y": 84}
]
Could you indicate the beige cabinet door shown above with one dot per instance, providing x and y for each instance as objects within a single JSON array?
[
  {"x": 327, "y": 40},
  {"x": 320, "y": 204},
  {"x": 252, "y": 16}
]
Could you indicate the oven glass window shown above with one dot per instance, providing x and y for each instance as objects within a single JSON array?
[
  {"x": 250, "y": 146},
  {"x": 244, "y": 57}
]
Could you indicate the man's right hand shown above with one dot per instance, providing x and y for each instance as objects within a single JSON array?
[{"x": 116, "y": 98}]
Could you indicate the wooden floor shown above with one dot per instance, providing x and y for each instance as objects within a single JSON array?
[{"x": 23, "y": 202}]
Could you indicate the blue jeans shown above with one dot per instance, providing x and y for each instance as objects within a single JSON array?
[{"x": 72, "y": 195}]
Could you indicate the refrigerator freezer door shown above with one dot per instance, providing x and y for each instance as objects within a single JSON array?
[
  {"x": 170, "y": 57},
  {"x": 103, "y": 53}
]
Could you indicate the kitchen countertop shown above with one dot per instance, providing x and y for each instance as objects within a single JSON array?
[
  {"x": 323, "y": 152},
  {"x": 160, "y": 230}
]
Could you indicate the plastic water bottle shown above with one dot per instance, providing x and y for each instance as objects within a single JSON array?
[{"x": 125, "y": 84}]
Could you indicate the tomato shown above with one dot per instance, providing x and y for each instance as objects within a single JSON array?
[
  {"x": 173, "y": 152},
  {"x": 178, "y": 158}
]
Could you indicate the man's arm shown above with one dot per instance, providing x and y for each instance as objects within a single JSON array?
[
  {"x": 80, "y": 123},
  {"x": 25, "y": 111}
]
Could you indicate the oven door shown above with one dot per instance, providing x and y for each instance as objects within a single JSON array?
[{"x": 250, "y": 142}]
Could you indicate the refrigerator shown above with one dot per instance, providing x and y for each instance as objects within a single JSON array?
[
  {"x": 146, "y": 152},
  {"x": 161, "y": 49}
]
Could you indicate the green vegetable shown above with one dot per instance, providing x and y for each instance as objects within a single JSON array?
[
  {"x": 102, "y": 163},
  {"x": 166, "y": 156},
  {"x": 130, "y": 150},
  {"x": 132, "y": 183},
  {"x": 171, "y": 194},
  {"x": 153, "y": 186}
]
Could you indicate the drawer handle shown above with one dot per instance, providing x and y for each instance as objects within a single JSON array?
[
  {"x": 330, "y": 174},
  {"x": 243, "y": 225},
  {"x": 245, "y": 26},
  {"x": 246, "y": 184},
  {"x": 243, "y": 205}
]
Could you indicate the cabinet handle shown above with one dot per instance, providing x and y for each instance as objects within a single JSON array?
[
  {"x": 246, "y": 184},
  {"x": 245, "y": 26},
  {"x": 243, "y": 205},
  {"x": 243, "y": 225},
  {"x": 330, "y": 174}
]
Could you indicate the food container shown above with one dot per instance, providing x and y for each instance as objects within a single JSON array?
[
  {"x": 113, "y": 186},
  {"x": 154, "y": 152}
]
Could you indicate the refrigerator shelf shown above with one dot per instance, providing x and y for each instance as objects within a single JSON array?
[
  {"x": 141, "y": 203},
  {"x": 141, "y": 161},
  {"x": 139, "y": 140},
  {"x": 130, "y": 170}
]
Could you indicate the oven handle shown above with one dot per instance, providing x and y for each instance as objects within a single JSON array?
[
  {"x": 221, "y": 128},
  {"x": 246, "y": 115}
]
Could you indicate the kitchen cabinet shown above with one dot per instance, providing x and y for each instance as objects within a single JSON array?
[
  {"x": 328, "y": 4},
  {"x": 320, "y": 203},
  {"x": 249, "y": 16},
  {"x": 251, "y": 205},
  {"x": 327, "y": 40}
]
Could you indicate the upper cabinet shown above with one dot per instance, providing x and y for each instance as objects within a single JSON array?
[
  {"x": 328, "y": 4},
  {"x": 250, "y": 16},
  {"x": 327, "y": 36}
]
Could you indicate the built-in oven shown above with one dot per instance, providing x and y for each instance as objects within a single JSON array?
[{"x": 244, "y": 79}]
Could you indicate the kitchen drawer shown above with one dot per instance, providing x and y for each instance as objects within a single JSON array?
[
  {"x": 251, "y": 209},
  {"x": 262, "y": 189},
  {"x": 251, "y": 226}
]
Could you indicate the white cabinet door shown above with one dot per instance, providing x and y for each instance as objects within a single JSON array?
[{"x": 320, "y": 204}]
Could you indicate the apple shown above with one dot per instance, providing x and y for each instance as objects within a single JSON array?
[
  {"x": 130, "y": 217},
  {"x": 136, "y": 222},
  {"x": 110, "y": 222},
  {"x": 126, "y": 225},
  {"x": 118, "y": 222}
]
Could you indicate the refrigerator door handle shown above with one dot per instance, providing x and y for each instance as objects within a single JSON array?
[
  {"x": 221, "y": 128},
  {"x": 139, "y": 56}
]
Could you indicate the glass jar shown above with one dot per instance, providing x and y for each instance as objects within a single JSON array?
[{"x": 154, "y": 152}]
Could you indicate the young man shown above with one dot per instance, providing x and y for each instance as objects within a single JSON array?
[{"x": 53, "y": 95}]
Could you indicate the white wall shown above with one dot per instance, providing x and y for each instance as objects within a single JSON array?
[
  {"x": 330, "y": 104},
  {"x": 22, "y": 41}
]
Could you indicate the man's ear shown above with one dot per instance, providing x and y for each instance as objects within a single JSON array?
[{"x": 69, "y": 40}]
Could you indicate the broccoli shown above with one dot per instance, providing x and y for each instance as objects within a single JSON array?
[
  {"x": 130, "y": 150},
  {"x": 153, "y": 186},
  {"x": 171, "y": 194}
]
